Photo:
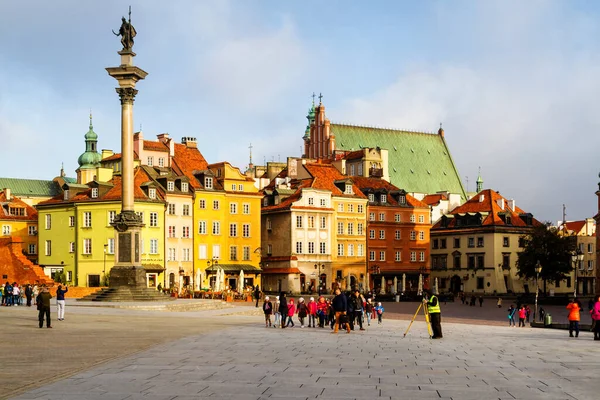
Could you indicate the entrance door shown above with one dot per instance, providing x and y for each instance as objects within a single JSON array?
[
  {"x": 455, "y": 284},
  {"x": 302, "y": 283},
  {"x": 93, "y": 280}
]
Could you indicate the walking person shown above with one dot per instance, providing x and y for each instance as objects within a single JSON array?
[
  {"x": 499, "y": 302},
  {"x": 283, "y": 308},
  {"x": 522, "y": 315},
  {"x": 60, "y": 301},
  {"x": 511, "y": 315},
  {"x": 36, "y": 291},
  {"x": 528, "y": 312},
  {"x": 574, "y": 308},
  {"x": 268, "y": 310},
  {"x": 257, "y": 294},
  {"x": 8, "y": 293},
  {"x": 302, "y": 311},
  {"x": 358, "y": 308},
  {"x": 322, "y": 311},
  {"x": 369, "y": 311},
  {"x": 312, "y": 311},
  {"x": 435, "y": 313},
  {"x": 595, "y": 312},
  {"x": 340, "y": 307},
  {"x": 480, "y": 301},
  {"x": 277, "y": 313},
  {"x": 350, "y": 310},
  {"x": 28, "y": 294},
  {"x": 379, "y": 310},
  {"x": 43, "y": 306},
  {"x": 291, "y": 309}
]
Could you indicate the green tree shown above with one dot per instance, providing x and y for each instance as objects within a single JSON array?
[{"x": 552, "y": 250}]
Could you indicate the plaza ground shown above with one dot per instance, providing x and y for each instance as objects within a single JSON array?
[{"x": 109, "y": 353}]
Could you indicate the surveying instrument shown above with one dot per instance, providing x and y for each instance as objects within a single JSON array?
[{"x": 423, "y": 305}]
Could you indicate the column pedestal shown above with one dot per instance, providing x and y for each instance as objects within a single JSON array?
[{"x": 128, "y": 270}]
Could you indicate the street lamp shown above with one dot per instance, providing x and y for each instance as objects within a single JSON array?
[
  {"x": 538, "y": 270},
  {"x": 577, "y": 258},
  {"x": 319, "y": 266},
  {"x": 104, "y": 269},
  {"x": 209, "y": 263}
]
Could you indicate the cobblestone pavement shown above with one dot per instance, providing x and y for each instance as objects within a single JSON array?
[{"x": 235, "y": 356}]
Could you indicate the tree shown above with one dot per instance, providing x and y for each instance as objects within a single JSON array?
[{"x": 553, "y": 251}]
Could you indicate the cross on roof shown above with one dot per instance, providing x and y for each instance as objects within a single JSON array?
[{"x": 320, "y": 98}]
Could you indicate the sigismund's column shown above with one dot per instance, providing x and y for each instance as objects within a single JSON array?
[{"x": 128, "y": 270}]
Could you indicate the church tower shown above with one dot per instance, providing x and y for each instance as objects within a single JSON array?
[
  {"x": 89, "y": 161},
  {"x": 479, "y": 182}
]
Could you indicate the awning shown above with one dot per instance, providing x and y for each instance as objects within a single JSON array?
[
  {"x": 153, "y": 268},
  {"x": 282, "y": 271},
  {"x": 234, "y": 268}
]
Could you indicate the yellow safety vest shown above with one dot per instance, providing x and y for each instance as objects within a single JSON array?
[{"x": 434, "y": 309}]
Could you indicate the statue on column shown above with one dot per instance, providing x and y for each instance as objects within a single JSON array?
[{"x": 127, "y": 33}]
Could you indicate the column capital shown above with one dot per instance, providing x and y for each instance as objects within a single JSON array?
[{"x": 127, "y": 94}]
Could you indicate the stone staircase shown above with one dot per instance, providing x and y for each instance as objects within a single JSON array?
[{"x": 123, "y": 293}]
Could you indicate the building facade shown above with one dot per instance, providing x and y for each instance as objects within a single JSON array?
[{"x": 19, "y": 219}]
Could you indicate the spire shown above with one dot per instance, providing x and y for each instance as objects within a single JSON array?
[
  {"x": 62, "y": 170},
  {"x": 441, "y": 130},
  {"x": 320, "y": 98},
  {"x": 479, "y": 181},
  {"x": 91, "y": 126},
  {"x": 250, "y": 164}
]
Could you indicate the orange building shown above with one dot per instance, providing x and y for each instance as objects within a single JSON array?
[{"x": 397, "y": 233}]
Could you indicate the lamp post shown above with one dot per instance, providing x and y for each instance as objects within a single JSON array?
[
  {"x": 538, "y": 270},
  {"x": 104, "y": 268},
  {"x": 319, "y": 266},
  {"x": 577, "y": 258},
  {"x": 209, "y": 263}
]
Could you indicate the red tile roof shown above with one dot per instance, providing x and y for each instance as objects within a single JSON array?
[
  {"x": 575, "y": 226},
  {"x": 378, "y": 184},
  {"x": 325, "y": 176},
  {"x": 291, "y": 270},
  {"x": 434, "y": 199},
  {"x": 155, "y": 146},
  {"x": 31, "y": 213},
  {"x": 187, "y": 160},
  {"x": 116, "y": 156}
]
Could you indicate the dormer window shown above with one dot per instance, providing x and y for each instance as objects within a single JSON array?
[
  {"x": 94, "y": 193},
  {"x": 161, "y": 161},
  {"x": 66, "y": 195},
  {"x": 150, "y": 161},
  {"x": 152, "y": 193},
  {"x": 184, "y": 187},
  {"x": 402, "y": 199},
  {"x": 384, "y": 198},
  {"x": 170, "y": 186},
  {"x": 208, "y": 183},
  {"x": 265, "y": 201},
  {"x": 371, "y": 198},
  {"x": 348, "y": 189}
]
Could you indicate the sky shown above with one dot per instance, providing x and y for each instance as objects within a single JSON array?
[{"x": 514, "y": 83}]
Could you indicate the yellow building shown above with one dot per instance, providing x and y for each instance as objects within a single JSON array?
[{"x": 19, "y": 219}]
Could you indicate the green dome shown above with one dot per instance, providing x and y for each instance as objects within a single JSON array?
[{"x": 91, "y": 158}]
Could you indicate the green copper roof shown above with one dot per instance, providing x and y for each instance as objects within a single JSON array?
[
  {"x": 91, "y": 158},
  {"x": 417, "y": 162},
  {"x": 30, "y": 187}
]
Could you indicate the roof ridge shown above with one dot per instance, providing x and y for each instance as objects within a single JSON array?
[{"x": 384, "y": 128}]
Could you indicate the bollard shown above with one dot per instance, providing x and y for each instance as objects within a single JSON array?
[
  {"x": 397, "y": 298},
  {"x": 548, "y": 319}
]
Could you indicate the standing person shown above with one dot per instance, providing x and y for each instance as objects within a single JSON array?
[
  {"x": 36, "y": 291},
  {"x": 499, "y": 303},
  {"x": 283, "y": 308},
  {"x": 312, "y": 311},
  {"x": 340, "y": 307},
  {"x": 302, "y": 311},
  {"x": 574, "y": 308},
  {"x": 290, "y": 312},
  {"x": 379, "y": 310},
  {"x": 528, "y": 312},
  {"x": 60, "y": 301},
  {"x": 511, "y": 315},
  {"x": 435, "y": 313},
  {"x": 16, "y": 294},
  {"x": 277, "y": 313},
  {"x": 480, "y": 301},
  {"x": 257, "y": 294},
  {"x": 350, "y": 309},
  {"x": 595, "y": 312},
  {"x": 472, "y": 300},
  {"x": 369, "y": 311},
  {"x": 358, "y": 308},
  {"x": 43, "y": 306},
  {"x": 2, "y": 295},
  {"x": 8, "y": 293},
  {"x": 522, "y": 315},
  {"x": 28, "y": 294},
  {"x": 268, "y": 310},
  {"x": 322, "y": 311}
]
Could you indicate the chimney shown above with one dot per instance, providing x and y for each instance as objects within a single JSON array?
[
  {"x": 511, "y": 204},
  {"x": 7, "y": 194},
  {"x": 162, "y": 137},
  {"x": 107, "y": 153},
  {"x": 481, "y": 198},
  {"x": 500, "y": 203},
  {"x": 190, "y": 142}
]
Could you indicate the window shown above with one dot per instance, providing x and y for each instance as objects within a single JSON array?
[
  {"x": 171, "y": 209},
  {"x": 150, "y": 161},
  {"x": 87, "y": 246},
  {"x": 397, "y": 234},
  {"x": 186, "y": 209},
  {"x": 457, "y": 243},
  {"x": 202, "y": 204},
  {"x": 480, "y": 283},
  {"x": 311, "y": 201},
  {"x": 152, "y": 193},
  {"x": 421, "y": 218},
  {"x": 185, "y": 232},
  {"x": 31, "y": 230},
  {"x": 298, "y": 247},
  {"x": 371, "y": 198},
  {"x": 298, "y": 221},
  {"x": 269, "y": 249},
  {"x": 233, "y": 187},
  {"x": 340, "y": 251},
  {"x": 232, "y": 230},
  {"x": 216, "y": 250},
  {"x": 396, "y": 217},
  {"x": 216, "y": 228},
  {"x": 202, "y": 227},
  {"x": 72, "y": 219},
  {"x": 111, "y": 246},
  {"x": 341, "y": 207},
  {"x": 6, "y": 229},
  {"x": 360, "y": 169},
  {"x": 422, "y": 256},
  {"x": 505, "y": 241},
  {"x": 311, "y": 222},
  {"x": 48, "y": 221},
  {"x": 171, "y": 256},
  {"x": 371, "y": 233},
  {"x": 372, "y": 216},
  {"x": 350, "y": 228},
  {"x": 413, "y": 256},
  {"x": 471, "y": 242},
  {"x": 233, "y": 253},
  {"x": 32, "y": 249},
  {"x": 185, "y": 254},
  {"x": 350, "y": 250},
  {"x": 381, "y": 234},
  {"x": 202, "y": 252},
  {"x": 246, "y": 230},
  {"x": 590, "y": 265},
  {"x": 360, "y": 250},
  {"x": 265, "y": 201},
  {"x": 161, "y": 161},
  {"x": 170, "y": 186},
  {"x": 241, "y": 188},
  {"x": 311, "y": 247},
  {"x": 402, "y": 199},
  {"x": 382, "y": 216},
  {"x": 442, "y": 243},
  {"x": 246, "y": 253},
  {"x": 94, "y": 193},
  {"x": 360, "y": 229},
  {"x": 384, "y": 198},
  {"x": 87, "y": 219},
  {"x": 184, "y": 187},
  {"x": 413, "y": 235},
  {"x": 215, "y": 204},
  {"x": 350, "y": 208},
  {"x": 323, "y": 222},
  {"x": 348, "y": 189},
  {"x": 371, "y": 255},
  {"x": 322, "y": 248},
  {"x": 171, "y": 231},
  {"x": 208, "y": 183},
  {"x": 382, "y": 256},
  {"x": 232, "y": 208},
  {"x": 412, "y": 218},
  {"x": 590, "y": 248},
  {"x": 323, "y": 202},
  {"x": 153, "y": 219},
  {"x": 479, "y": 242},
  {"x": 246, "y": 208},
  {"x": 421, "y": 235},
  {"x": 352, "y": 169},
  {"x": 398, "y": 256},
  {"x": 456, "y": 261},
  {"x": 71, "y": 247},
  {"x": 269, "y": 224},
  {"x": 360, "y": 209},
  {"x": 153, "y": 246},
  {"x": 340, "y": 229},
  {"x": 506, "y": 260}
]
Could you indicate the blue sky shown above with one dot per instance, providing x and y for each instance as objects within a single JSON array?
[{"x": 514, "y": 83}]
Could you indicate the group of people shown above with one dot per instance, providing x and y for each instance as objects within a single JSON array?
[
  {"x": 345, "y": 310},
  {"x": 575, "y": 309},
  {"x": 472, "y": 301},
  {"x": 13, "y": 294},
  {"x": 522, "y": 311}
]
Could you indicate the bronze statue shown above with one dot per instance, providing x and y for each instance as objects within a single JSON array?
[{"x": 127, "y": 33}]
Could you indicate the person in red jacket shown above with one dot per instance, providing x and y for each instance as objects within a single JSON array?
[
  {"x": 322, "y": 310},
  {"x": 522, "y": 316},
  {"x": 291, "y": 311},
  {"x": 574, "y": 308},
  {"x": 312, "y": 311}
]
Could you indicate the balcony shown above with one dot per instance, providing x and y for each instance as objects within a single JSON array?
[{"x": 375, "y": 172}]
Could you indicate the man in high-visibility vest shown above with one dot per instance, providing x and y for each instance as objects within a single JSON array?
[{"x": 435, "y": 314}]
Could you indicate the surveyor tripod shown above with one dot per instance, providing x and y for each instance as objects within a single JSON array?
[{"x": 427, "y": 320}]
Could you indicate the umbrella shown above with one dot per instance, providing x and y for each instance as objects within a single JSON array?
[
  {"x": 435, "y": 286},
  {"x": 198, "y": 279},
  {"x": 222, "y": 279},
  {"x": 382, "y": 291},
  {"x": 420, "y": 292},
  {"x": 240, "y": 287},
  {"x": 403, "y": 283},
  {"x": 395, "y": 288},
  {"x": 348, "y": 282}
]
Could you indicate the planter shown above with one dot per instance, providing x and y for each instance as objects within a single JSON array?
[
  {"x": 229, "y": 298},
  {"x": 249, "y": 299}
]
